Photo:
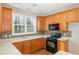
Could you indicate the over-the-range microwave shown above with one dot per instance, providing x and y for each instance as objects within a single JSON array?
[{"x": 53, "y": 26}]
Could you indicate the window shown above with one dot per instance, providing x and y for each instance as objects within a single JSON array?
[{"x": 23, "y": 24}]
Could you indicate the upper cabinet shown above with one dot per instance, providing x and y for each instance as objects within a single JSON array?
[
  {"x": 41, "y": 23},
  {"x": 72, "y": 15},
  {"x": 63, "y": 18},
  {"x": 78, "y": 15},
  {"x": 53, "y": 18},
  {"x": 63, "y": 22},
  {"x": 7, "y": 20},
  {"x": 0, "y": 18}
]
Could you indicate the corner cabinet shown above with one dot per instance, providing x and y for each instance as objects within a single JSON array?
[
  {"x": 41, "y": 23},
  {"x": 19, "y": 45},
  {"x": 7, "y": 20}
]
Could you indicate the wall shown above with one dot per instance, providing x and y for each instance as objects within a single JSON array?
[
  {"x": 20, "y": 11},
  {"x": 74, "y": 41}
]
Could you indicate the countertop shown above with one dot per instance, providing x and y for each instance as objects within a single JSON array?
[
  {"x": 64, "y": 38},
  {"x": 62, "y": 53},
  {"x": 18, "y": 39},
  {"x": 7, "y": 48}
]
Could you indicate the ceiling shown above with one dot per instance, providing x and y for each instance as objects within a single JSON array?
[{"x": 43, "y": 8}]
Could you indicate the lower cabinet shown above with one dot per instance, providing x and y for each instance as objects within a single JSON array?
[
  {"x": 35, "y": 45},
  {"x": 62, "y": 45},
  {"x": 19, "y": 46},
  {"x": 42, "y": 43},
  {"x": 26, "y": 47},
  {"x": 30, "y": 46}
]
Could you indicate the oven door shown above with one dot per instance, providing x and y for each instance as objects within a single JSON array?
[{"x": 51, "y": 46}]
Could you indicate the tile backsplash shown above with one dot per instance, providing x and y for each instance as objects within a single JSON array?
[
  {"x": 66, "y": 34},
  {"x": 5, "y": 35}
]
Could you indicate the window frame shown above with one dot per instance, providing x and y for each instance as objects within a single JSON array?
[{"x": 25, "y": 17}]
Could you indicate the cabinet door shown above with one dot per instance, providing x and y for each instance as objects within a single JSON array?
[
  {"x": 35, "y": 45},
  {"x": 42, "y": 43},
  {"x": 27, "y": 47},
  {"x": 72, "y": 15},
  {"x": 0, "y": 18},
  {"x": 78, "y": 15},
  {"x": 61, "y": 45},
  {"x": 53, "y": 18},
  {"x": 7, "y": 20},
  {"x": 19, "y": 46},
  {"x": 41, "y": 23},
  {"x": 63, "y": 22}
]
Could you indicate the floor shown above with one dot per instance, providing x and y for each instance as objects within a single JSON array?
[{"x": 42, "y": 52}]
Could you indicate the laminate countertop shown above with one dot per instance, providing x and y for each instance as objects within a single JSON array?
[
  {"x": 62, "y": 53},
  {"x": 7, "y": 48},
  {"x": 64, "y": 38}
]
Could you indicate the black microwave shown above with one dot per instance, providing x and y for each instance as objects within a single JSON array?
[{"x": 53, "y": 26}]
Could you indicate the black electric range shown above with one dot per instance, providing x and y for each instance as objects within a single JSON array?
[{"x": 51, "y": 42}]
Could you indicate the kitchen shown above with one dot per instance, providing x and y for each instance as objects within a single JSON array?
[{"x": 26, "y": 31}]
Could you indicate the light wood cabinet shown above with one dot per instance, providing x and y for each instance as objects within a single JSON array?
[
  {"x": 19, "y": 46},
  {"x": 0, "y": 18},
  {"x": 26, "y": 47},
  {"x": 42, "y": 43},
  {"x": 72, "y": 15},
  {"x": 62, "y": 45},
  {"x": 53, "y": 19},
  {"x": 7, "y": 20},
  {"x": 35, "y": 45},
  {"x": 78, "y": 15},
  {"x": 63, "y": 18},
  {"x": 41, "y": 23},
  {"x": 63, "y": 22}
]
